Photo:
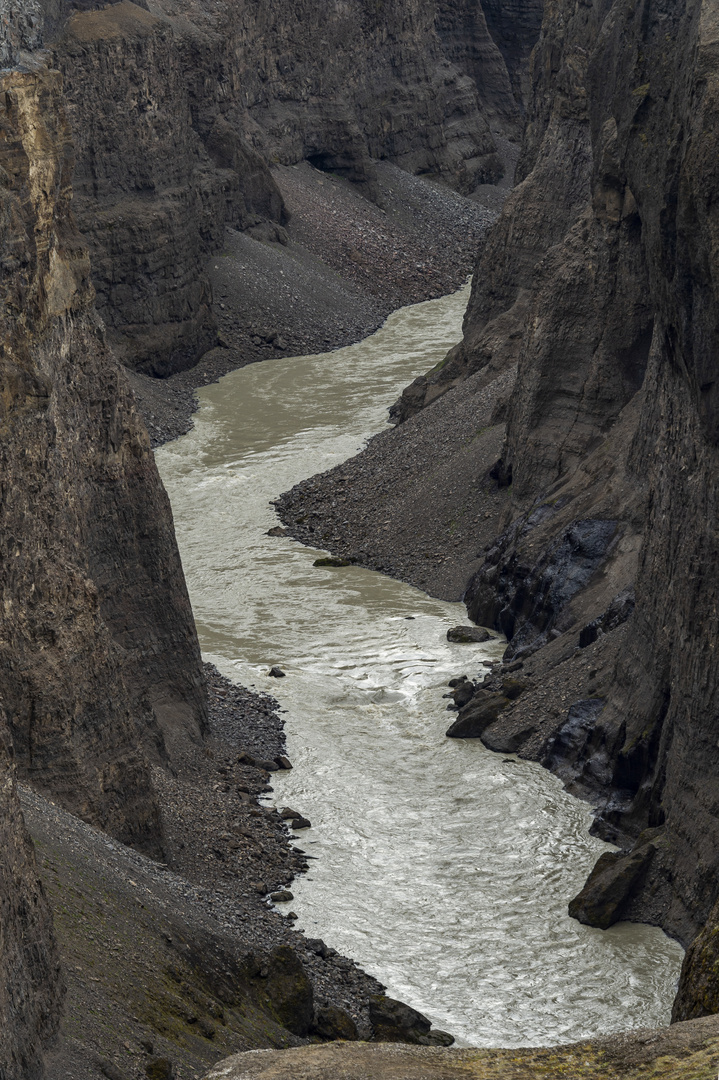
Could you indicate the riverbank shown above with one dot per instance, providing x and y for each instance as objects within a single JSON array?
[
  {"x": 165, "y": 961},
  {"x": 328, "y": 279},
  {"x": 418, "y": 503}
]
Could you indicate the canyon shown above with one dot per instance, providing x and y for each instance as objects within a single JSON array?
[{"x": 556, "y": 470}]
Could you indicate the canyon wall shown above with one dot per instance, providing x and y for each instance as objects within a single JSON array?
[
  {"x": 99, "y": 660},
  {"x": 600, "y": 279},
  {"x": 178, "y": 112},
  {"x": 98, "y": 650}
]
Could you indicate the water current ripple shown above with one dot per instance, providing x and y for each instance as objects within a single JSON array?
[{"x": 444, "y": 869}]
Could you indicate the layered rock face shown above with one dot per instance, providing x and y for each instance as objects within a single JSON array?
[
  {"x": 177, "y": 112},
  {"x": 492, "y": 42},
  {"x": 600, "y": 278},
  {"x": 98, "y": 652},
  {"x": 514, "y": 26},
  {"x": 155, "y": 183}
]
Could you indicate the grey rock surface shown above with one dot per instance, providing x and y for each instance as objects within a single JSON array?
[{"x": 179, "y": 110}]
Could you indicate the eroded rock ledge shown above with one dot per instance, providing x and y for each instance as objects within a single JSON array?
[{"x": 682, "y": 1052}]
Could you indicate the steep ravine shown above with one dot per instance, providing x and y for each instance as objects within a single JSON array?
[{"x": 592, "y": 512}]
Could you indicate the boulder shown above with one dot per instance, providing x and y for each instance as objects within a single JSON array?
[
  {"x": 332, "y": 1023},
  {"x": 289, "y": 990},
  {"x": 482, "y": 710},
  {"x": 609, "y": 887},
  {"x": 463, "y": 694},
  {"x": 507, "y": 742},
  {"x": 393, "y": 1021},
  {"x": 282, "y": 896},
  {"x": 465, "y": 635},
  {"x": 512, "y": 688}
]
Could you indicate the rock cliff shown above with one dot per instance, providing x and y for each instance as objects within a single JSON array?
[
  {"x": 100, "y": 664},
  {"x": 99, "y": 655},
  {"x": 600, "y": 280}
]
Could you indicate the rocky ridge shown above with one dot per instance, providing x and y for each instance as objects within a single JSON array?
[{"x": 683, "y": 1052}]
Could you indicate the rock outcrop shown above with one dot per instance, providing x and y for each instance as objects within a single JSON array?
[{"x": 681, "y": 1052}]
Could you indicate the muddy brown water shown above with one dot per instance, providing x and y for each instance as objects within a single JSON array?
[{"x": 442, "y": 868}]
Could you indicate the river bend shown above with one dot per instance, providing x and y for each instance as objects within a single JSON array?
[{"x": 442, "y": 868}]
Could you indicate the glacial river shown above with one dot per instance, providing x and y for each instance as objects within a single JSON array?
[{"x": 445, "y": 870}]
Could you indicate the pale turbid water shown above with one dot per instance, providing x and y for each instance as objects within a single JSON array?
[{"x": 444, "y": 869}]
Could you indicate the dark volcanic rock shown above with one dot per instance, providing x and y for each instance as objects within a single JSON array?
[
  {"x": 467, "y": 634},
  {"x": 393, "y": 1021},
  {"x": 524, "y": 602},
  {"x": 609, "y": 887},
  {"x": 482, "y": 710},
  {"x": 571, "y": 742}
]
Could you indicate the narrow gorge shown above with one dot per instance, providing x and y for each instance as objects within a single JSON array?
[{"x": 186, "y": 190}]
